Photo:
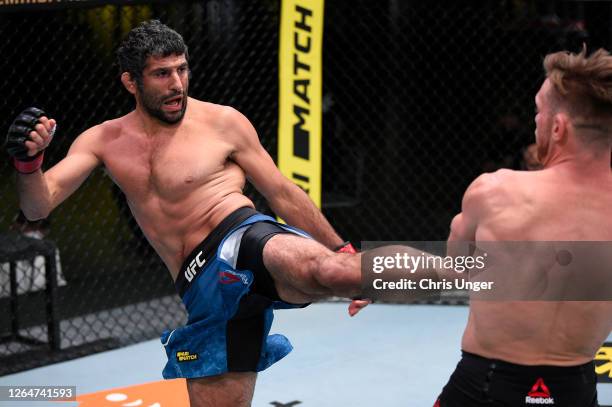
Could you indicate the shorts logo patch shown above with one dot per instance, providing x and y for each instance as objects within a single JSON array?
[
  {"x": 229, "y": 277},
  {"x": 539, "y": 394},
  {"x": 195, "y": 264},
  {"x": 186, "y": 356}
]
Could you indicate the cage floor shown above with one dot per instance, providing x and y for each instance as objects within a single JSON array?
[{"x": 389, "y": 355}]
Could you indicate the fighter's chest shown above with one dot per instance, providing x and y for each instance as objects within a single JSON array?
[{"x": 170, "y": 168}]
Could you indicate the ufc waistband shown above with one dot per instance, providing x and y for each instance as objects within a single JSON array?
[{"x": 207, "y": 249}]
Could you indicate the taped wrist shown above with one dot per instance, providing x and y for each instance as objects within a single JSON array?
[
  {"x": 346, "y": 247},
  {"x": 29, "y": 166}
]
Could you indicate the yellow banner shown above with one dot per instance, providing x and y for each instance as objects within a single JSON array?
[{"x": 300, "y": 94}]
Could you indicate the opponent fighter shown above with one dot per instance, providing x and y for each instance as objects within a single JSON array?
[
  {"x": 182, "y": 165},
  {"x": 540, "y": 353}
]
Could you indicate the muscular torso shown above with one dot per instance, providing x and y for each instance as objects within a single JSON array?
[
  {"x": 546, "y": 205},
  {"x": 180, "y": 182}
]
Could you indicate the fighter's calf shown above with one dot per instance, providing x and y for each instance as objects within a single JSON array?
[{"x": 305, "y": 268}]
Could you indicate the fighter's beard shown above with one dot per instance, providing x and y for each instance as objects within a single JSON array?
[{"x": 154, "y": 108}]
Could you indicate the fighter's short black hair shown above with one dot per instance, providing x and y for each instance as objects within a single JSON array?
[{"x": 149, "y": 38}]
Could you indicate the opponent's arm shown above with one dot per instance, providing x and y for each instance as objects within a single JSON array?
[
  {"x": 285, "y": 198},
  {"x": 40, "y": 193}
]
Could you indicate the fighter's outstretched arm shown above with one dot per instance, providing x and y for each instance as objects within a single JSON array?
[
  {"x": 285, "y": 198},
  {"x": 40, "y": 193}
]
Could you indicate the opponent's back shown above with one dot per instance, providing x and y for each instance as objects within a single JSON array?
[{"x": 555, "y": 204}]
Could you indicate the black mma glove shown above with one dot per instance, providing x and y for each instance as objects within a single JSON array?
[{"x": 18, "y": 134}]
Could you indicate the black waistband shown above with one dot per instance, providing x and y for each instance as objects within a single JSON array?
[
  {"x": 208, "y": 247},
  {"x": 485, "y": 363}
]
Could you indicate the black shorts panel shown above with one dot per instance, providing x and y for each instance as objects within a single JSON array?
[
  {"x": 250, "y": 257},
  {"x": 479, "y": 381},
  {"x": 245, "y": 331}
]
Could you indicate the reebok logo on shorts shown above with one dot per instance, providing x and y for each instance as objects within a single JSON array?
[
  {"x": 186, "y": 356},
  {"x": 539, "y": 394}
]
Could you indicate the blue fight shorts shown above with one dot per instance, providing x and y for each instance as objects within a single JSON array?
[{"x": 229, "y": 296}]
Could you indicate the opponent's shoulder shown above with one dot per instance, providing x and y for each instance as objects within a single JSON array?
[
  {"x": 489, "y": 182},
  {"x": 490, "y": 190}
]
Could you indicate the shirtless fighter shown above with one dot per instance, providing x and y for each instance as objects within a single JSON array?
[
  {"x": 540, "y": 353},
  {"x": 182, "y": 163}
]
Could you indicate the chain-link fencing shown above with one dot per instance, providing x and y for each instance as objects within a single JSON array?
[{"x": 418, "y": 100}]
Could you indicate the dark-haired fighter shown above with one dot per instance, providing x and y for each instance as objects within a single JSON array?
[
  {"x": 182, "y": 164},
  {"x": 540, "y": 353}
]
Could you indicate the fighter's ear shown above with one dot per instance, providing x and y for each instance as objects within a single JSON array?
[
  {"x": 560, "y": 127},
  {"x": 128, "y": 82}
]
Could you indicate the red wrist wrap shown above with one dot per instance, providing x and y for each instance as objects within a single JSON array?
[
  {"x": 346, "y": 247},
  {"x": 28, "y": 167}
]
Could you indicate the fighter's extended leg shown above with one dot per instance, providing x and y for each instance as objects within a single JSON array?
[
  {"x": 233, "y": 389},
  {"x": 304, "y": 270}
]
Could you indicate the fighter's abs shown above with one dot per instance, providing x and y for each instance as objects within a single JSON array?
[{"x": 175, "y": 227}]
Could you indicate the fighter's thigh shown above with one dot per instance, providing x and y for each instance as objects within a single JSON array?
[
  {"x": 233, "y": 389},
  {"x": 294, "y": 262}
]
